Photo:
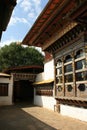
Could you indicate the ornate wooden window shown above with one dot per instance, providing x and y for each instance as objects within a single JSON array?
[
  {"x": 59, "y": 79},
  {"x": 3, "y": 89},
  {"x": 71, "y": 75},
  {"x": 80, "y": 65},
  {"x": 44, "y": 90}
]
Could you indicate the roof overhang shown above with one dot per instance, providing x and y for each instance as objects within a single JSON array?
[
  {"x": 44, "y": 82},
  {"x": 56, "y": 15},
  {"x": 25, "y": 69},
  {"x": 6, "y": 8},
  {"x": 4, "y": 75}
]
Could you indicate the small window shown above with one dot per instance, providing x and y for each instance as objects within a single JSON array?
[
  {"x": 79, "y": 76},
  {"x": 85, "y": 75},
  {"x": 59, "y": 88},
  {"x": 82, "y": 87},
  {"x": 79, "y": 54},
  {"x": 3, "y": 89},
  {"x": 69, "y": 78},
  {"x": 69, "y": 88},
  {"x": 59, "y": 71},
  {"x": 68, "y": 59},
  {"x": 60, "y": 79},
  {"x": 80, "y": 64},
  {"x": 68, "y": 68},
  {"x": 59, "y": 63}
]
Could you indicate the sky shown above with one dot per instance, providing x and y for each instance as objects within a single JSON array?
[{"x": 23, "y": 17}]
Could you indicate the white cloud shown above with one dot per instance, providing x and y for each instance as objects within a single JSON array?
[
  {"x": 26, "y": 5},
  {"x": 31, "y": 7},
  {"x": 37, "y": 6},
  {"x": 31, "y": 15},
  {"x": 15, "y": 20}
]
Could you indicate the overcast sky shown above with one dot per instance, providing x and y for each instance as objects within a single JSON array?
[{"x": 23, "y": 17}]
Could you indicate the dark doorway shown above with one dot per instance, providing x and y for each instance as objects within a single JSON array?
[{"x": 23, "y": 91}]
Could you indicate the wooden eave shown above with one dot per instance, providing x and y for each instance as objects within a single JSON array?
[
  {"x": 53, "y": 7},
  {"x": 25, "y": 69},
  {"x": 6, "y": 8},
  {"x": 4, "y": 75},
  {"x": 77, "y": 33},
  {"x": 57, "y": 15},
  {"x": 39, "y": 23},
  {"x": 43, "y": 82}
]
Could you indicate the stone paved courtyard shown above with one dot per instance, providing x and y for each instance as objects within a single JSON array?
[{"x": 30, "y": 117}]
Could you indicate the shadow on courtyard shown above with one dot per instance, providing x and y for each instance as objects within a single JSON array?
[{"x": 14, "y": 118}]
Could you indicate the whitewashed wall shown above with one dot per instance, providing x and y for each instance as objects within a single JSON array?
[
  {"x": 49, "y": 70},
  {"x": 40, "y": 77},
  {"x": 45, "y": 101},
  {"x": 74, "y": 112},
  {"x": 7, "y": 100}
]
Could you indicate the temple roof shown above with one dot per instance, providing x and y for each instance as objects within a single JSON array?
[
  {"x": 57, "y": 15},
  {"x": 6, "y": 8},
  {"x": 25, "y": 69}
]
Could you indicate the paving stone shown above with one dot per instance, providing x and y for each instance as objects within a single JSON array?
[{"x": 29, "y": 117}]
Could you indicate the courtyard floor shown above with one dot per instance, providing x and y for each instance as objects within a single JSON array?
[{"x": 30, "y": 117}]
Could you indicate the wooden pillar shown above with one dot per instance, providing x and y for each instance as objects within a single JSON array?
[
  {"x": 74, "y": 76},
  {"x": 63, "y": 77},
  {"x": 55, "y": 90}
]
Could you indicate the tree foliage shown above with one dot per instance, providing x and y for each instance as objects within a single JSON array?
[{"x": 17, "y": 55}]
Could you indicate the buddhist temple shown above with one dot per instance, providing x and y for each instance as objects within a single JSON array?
[{"x": 61, "y": 31}]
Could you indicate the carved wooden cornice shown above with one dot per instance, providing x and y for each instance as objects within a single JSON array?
[
  {"x": 55, "y": 21},
  {"x": 68, "y": 38}
]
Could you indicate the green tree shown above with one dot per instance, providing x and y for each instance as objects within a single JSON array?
[{"x": 16, "y": 55}]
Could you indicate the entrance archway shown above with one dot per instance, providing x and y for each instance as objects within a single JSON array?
[{"x": 23, "y": 91}]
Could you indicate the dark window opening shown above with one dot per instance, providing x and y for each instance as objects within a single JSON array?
[
  {"x": 68, "y": 59},
  {"x": 69, "y": 78},
  {"x": 69, "y": 88},
  {"x": 79, "y": 54},
  {"x": 81, "y": 87},
  {"x": 59, "y": 62},
  {"x": 80, "y": 64},
  {"x": 3, "y": 89},
  {"x": 68, "y": 68}
]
